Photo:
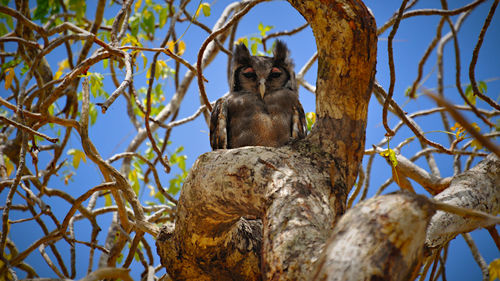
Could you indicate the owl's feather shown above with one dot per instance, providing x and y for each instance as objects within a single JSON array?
[{"x": 247, "y": 117}]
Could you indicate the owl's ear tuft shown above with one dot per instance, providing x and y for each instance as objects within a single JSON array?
[
  {"x": 281, "y": 52},
  {"x": 241, "y": 55}
]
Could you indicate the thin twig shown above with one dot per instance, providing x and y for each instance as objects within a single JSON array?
[
  {"x": 28, "y": 129},
  {"x": 282, "y": 33},
  {"x": 390, "y": 52},
  {"x": 207, "y": 41},
  {"x": 475, "y": 54},
  {"x": 457, "y": 74},
  {"x": 477, "y": 256},
  {"x": 465, "y": 124},
  {"x": 429, "y": 12}
]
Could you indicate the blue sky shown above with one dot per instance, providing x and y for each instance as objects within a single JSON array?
[{"x": 112, "y": 134}]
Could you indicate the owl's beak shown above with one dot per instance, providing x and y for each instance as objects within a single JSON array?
[{"x": 262, "y": 87}]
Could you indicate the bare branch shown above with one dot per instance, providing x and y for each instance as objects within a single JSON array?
[
  {"x": 475, "y": 54},
  {"x": 212, "y": 36},
  {"x": 390, "y": 52}
]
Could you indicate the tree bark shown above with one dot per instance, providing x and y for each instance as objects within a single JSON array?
[
  {"x": 477, "y": 189},
  {"x": 259, "y": 213},
  {"x": 296, "y": 192}
]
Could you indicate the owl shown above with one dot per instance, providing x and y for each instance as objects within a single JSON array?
[{"x": 262, "y": 107}]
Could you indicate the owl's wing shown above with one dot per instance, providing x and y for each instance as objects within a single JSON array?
[
  {"x": 298, "y": 122},
  {"x": 218, "y": 125}
]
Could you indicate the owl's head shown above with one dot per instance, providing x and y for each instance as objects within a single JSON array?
[{"x": 261, "y": 74}]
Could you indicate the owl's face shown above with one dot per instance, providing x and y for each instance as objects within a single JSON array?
[{"x": 260, "y": 74}]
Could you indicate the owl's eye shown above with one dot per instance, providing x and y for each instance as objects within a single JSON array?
[
  {"x": 249, "y": 72},
  {"x": 275, "y": 72}
]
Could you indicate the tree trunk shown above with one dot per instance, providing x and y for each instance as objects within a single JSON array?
[{"x": 259, "y": 213}]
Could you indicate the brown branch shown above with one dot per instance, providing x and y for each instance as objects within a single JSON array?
[
  {"x": 494, "y": 235},
  {"x": 424, "y": 58},
  {"x": 29, "y": 43},
  {"x": 409, "y": 122},
  {"x": 108, "y": 273},
  {"x": 176, "y": 123},
  {"x": 49, "y": 262},
  {"x": 207, "y": 41},
  {"x": 457, "y": 75},
  {"x": 168, "y": 53},
  {"x": 28, "y": 129},
  {"x": 429, "y": 12},
  {"x": 148, "y": 112},
  {"x": 151, "y": 166},
  {"x": 125, "y": 83},
  {"x": 282, "y": 33},
  {"x": 475, "y": 54},
  {"x": 390, "y": 52},
  {"x": 465, "y": 124},
  {"x": 477, "y": 256}
]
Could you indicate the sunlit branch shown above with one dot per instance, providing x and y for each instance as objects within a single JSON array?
[
  {"x": 125, "y": 83},
  {"x": 27, "y": 129},
  {"x": 151, "y": 166},
  {"x": 477, "y": 256},
  {"x": 49, "y": 262},
  {"x": 168, "y": 53},
  {"x": 163, "y": 161}
]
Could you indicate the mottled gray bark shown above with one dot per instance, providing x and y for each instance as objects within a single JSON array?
[
  {"x": 379, "y": 239},
  {"x": 477, "y": 189}
]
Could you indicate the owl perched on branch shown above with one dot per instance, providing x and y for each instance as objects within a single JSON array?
[{"x": 262, "y": 108}]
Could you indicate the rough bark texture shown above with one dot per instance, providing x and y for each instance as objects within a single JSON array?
[
  {"x": 258, "y": 213},
  {"x": 380, "y": 239},
  {"x": 478, "y": 189},
  {"x": 298, "y": 191}
]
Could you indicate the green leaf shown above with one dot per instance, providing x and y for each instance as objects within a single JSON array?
[
  {"x": 310, "y": 120},
  {"x": 107, "y": 200},
  {"x": 92, "y": 113},
  {"x": 407, "y": 91},
  {"x": 205, "y": 7},
  {"x": 144, "y": 60},
  {"x": 134, "y": 179},
  {"x": 41, "y": 10},
  {"x": 148, "y": 22},
  {"x": 243, "y": 40},
  {"x": 482, "y": 87},
  {"x": 3, "y": 29},
  {"x": 263, "y": 29},
  {"x": 78, "y": 155},
  {"x": 133, "y": 23},
  {"x": 469, "y": 94},
  {"x": 163, "y": 15},
  {"x": 79, "y": 7},
  {"x": 253, "y": 48}
]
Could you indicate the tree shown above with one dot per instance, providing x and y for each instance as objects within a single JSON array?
[{"x": 249, "y": 213}]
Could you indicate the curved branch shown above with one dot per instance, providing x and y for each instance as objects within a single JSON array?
[
  {"x": 209, "y": 39},
  {"x": 475, "y": 54}
]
